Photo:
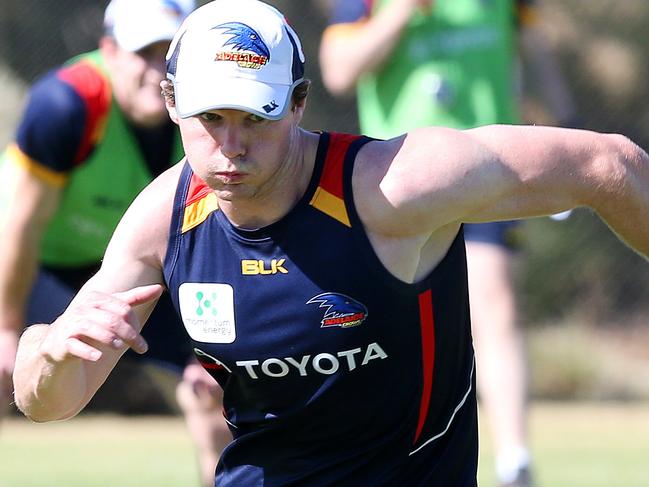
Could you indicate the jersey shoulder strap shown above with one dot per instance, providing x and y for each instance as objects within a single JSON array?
[
  {"x": 329, "y": 196},
  {"x": 199, "y": 200}
]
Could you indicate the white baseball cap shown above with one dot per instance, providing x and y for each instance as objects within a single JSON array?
[
  {"x": 136, "y": 24},
  {"x": 239, "y": 55}
]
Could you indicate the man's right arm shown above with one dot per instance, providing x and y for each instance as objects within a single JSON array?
[
  {"x": 356, "y": 43},
  {"x": 59, "y": 367}
]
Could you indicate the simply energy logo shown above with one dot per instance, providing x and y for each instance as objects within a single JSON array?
[
  {"x": 207, "y": 311},
  {"x": 248, "y": 48},
  {"x": 339, "y": 310}
]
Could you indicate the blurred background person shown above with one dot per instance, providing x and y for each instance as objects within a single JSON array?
[
  {"x": 94, "y": 132},
  {"x": 455, "y": 63}
]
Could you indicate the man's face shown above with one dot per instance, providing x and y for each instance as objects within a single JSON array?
[
  {"x": 136, "y": 80},
  {"x": 242, "y": 156}
]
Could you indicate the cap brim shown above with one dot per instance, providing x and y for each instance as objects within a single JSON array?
[{"x": 201, "y": 95}]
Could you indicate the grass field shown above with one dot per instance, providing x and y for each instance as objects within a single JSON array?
[{"x": 575, "y": 445}]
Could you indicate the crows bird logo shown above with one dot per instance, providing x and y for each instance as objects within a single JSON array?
[
  {"x": 340, "y": 310},
  {"x": 248, "y": 48}
]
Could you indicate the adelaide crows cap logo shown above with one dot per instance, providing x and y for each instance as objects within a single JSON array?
[
  {"x": 340, "y": 310},
  {"x": 253, "y": 52}
]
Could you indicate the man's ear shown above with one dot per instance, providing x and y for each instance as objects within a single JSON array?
[
  {"x": 171, "y": 110},
  {"x": 298, "y": 110},
  {"x": 167, "y": 93}
]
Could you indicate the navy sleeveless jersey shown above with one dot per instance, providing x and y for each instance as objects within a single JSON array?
[{"x": 335, "y": 372}]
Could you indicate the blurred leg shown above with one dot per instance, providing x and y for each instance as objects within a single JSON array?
[
  {"x": 201, "y": 400},
  {"x": 500, "y": 354}
]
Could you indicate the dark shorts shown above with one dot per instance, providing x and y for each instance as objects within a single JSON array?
[
  {"x": 53, "y": 290},
  {"x": 505, "y": 234}
]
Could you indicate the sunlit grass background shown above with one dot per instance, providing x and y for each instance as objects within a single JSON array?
[{"x": 574, "y": 445}]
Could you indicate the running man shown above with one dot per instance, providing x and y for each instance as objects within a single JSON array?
[{"x": 321, "y": 276}]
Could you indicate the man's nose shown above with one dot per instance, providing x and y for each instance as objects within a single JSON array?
[{"x": 232, "y": 142}]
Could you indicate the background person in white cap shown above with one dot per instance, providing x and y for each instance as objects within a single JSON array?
[
  {"x": 94, "y": 133},
  {"x": 321, "y": 276}
]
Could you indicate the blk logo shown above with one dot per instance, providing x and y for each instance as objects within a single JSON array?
[{"x": 259, "y": 267}]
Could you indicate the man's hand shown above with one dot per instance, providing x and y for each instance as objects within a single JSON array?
[{"x": 95, "y": 318}]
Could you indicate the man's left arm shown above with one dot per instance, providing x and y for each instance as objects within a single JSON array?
[
  {"x": 506, "y": 172},
  {"x": 546, "y": 170}
]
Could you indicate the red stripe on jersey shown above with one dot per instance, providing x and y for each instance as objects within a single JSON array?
[
  {"x": 427, "y": 323},
  {"x": 197, "y": 190},
  {"x": 94, "y": 88},
  {"x": 211, "y": 366},
  {"x": 331, "y": 179}
]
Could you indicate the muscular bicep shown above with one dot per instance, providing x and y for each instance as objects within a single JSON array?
[
  {"x": 535, "y": 171},
  {"x": 434, "y": 177}
]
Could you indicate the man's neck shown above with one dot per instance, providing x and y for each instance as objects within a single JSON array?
[{"x": 273, "y": 203}]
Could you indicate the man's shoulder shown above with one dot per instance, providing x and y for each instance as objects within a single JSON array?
[
  {"x": 154, "y": 203},
  {"x": 410, "y": 170},
  {"x": 144, "y": 229},
  {"x": 379, "y": 152}
]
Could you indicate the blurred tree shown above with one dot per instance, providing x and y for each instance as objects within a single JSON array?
[
  {"x": 35, "y": 36},
  {"x": 577, "y": 267}
]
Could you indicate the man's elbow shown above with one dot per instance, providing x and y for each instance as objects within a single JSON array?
[
  {"x": 619, "y": 172},
  {"x": 31, "y": 409},
  {"x": 630, "y": 159},
  {"x": 37, "y": 412}
]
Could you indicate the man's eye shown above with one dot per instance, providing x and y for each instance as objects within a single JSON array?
[
  {"x": 208, "y": 116},
  {"x": 256, "y": 118}
]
